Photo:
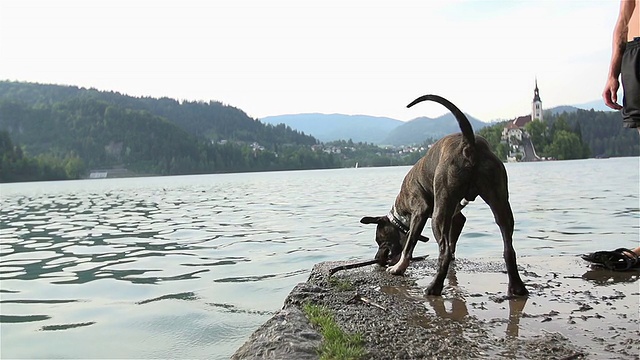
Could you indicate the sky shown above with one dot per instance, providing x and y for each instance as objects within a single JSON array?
[{"x": 270, "y": 57}]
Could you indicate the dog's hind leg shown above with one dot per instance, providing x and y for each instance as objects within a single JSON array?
[
  {"x": 456, "y": 229},
  {"x": 504, "y": 218}
]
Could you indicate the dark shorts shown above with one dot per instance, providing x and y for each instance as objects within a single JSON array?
[{"x": 630, "y": 75}]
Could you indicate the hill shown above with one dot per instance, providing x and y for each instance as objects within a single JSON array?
[
  {"x": 561, "y": 109},
  {"x": 596, "y": 105},
  {"x": 210, "y": 120}
]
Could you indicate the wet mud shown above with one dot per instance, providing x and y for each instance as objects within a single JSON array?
[{"x": 574, "y": 311}]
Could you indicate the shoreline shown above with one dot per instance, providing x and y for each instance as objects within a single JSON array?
[{"x": 574, "y": 311}]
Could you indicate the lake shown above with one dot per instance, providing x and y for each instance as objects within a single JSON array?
[{"x": 190, "y": 266}]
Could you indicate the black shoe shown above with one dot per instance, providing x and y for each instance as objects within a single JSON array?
[{"x": 617, "y": 260}]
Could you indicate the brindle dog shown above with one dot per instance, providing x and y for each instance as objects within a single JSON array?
[{"x": 455, "y": 170}]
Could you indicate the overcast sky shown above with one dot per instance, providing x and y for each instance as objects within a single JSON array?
[{"x": 285, "y": 57}]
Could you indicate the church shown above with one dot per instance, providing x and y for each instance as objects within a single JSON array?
[{"x": 515, "y": 135}]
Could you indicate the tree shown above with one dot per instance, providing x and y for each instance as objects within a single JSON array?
[
  {"x": 15, "y": 166},
  {"x": 565, "y": 146},
  {"x": 74, "y": 167},
  {"x": 493, "y": 135},
  {"x": 538, "y": 133}
]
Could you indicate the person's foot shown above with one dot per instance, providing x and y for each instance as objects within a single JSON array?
[{"x": 618, "y": 260}]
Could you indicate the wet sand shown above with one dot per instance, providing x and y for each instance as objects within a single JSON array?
[{"x": 574, "y": 311}]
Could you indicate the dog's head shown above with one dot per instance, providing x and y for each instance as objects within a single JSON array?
[{"x": 389, "y": 238}]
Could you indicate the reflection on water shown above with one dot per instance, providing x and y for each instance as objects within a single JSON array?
[
  {"x": 190, "y": 266},
  {"x": 453, "y": 305},
  {"x": 458, "y": 308}
]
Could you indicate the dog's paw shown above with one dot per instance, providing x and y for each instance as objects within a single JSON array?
[
  {"x": 396, "y": 269},
  {"x": 518, "y": 290},
  {"x": 433, "y": 290}
]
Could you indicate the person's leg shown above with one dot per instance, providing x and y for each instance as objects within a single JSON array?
[{"x": 630, "y": 76}]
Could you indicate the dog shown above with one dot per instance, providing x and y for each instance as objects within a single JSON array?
[{"x": 453, "y": 172}]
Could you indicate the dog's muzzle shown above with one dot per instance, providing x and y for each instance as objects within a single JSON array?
[
  {"x": 386, "y": 256},
  {"x": 382, "y": 256}
]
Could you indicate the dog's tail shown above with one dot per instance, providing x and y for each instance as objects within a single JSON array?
[{"x": 463, "y": 122}]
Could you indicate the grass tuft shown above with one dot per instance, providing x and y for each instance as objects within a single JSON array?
[
  {"x": 341, "y": 285},
  {"x": 337, "y": 344}
]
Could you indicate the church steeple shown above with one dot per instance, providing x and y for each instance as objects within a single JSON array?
[
  {"x": 536, "y": 105},
  {"x": 536, "y": 93}
]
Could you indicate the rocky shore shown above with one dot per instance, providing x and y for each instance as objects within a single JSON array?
[{"x": 573, "y": 312}]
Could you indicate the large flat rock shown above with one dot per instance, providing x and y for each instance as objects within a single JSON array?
[{"x": 573, "y": 312}]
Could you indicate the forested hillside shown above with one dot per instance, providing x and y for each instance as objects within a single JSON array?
[
  {"x": 602, "y": 132},
  {"x": 146, "y": 135},
  {"x": 212, "y": 119}
]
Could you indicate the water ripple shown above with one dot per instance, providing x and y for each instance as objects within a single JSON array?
[
  {"x": 65, "y": 326},
  {"x": 235, "y": 310},
  {"x": 180, "y": 296}
]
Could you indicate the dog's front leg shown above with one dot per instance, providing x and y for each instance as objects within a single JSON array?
[{"x": 415, "y": 230}]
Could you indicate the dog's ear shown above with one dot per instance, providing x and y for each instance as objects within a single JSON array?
[
  {"x": 423, "y": 238},
  {"x": 370, "y": 220}
]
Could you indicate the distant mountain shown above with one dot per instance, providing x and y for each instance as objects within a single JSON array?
[
  {"x": 371, "y": 129},
  {"x": 420, "y": 129},
  {"x": 331, "y": 127}
]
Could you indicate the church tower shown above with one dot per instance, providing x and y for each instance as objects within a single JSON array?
[{"x": 536, "y": 105}]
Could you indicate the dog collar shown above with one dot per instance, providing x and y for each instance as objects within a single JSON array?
[{"x": 401, "y": 222}]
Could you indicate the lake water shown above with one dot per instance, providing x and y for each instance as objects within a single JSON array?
[{"x": 190, "y": 266}]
